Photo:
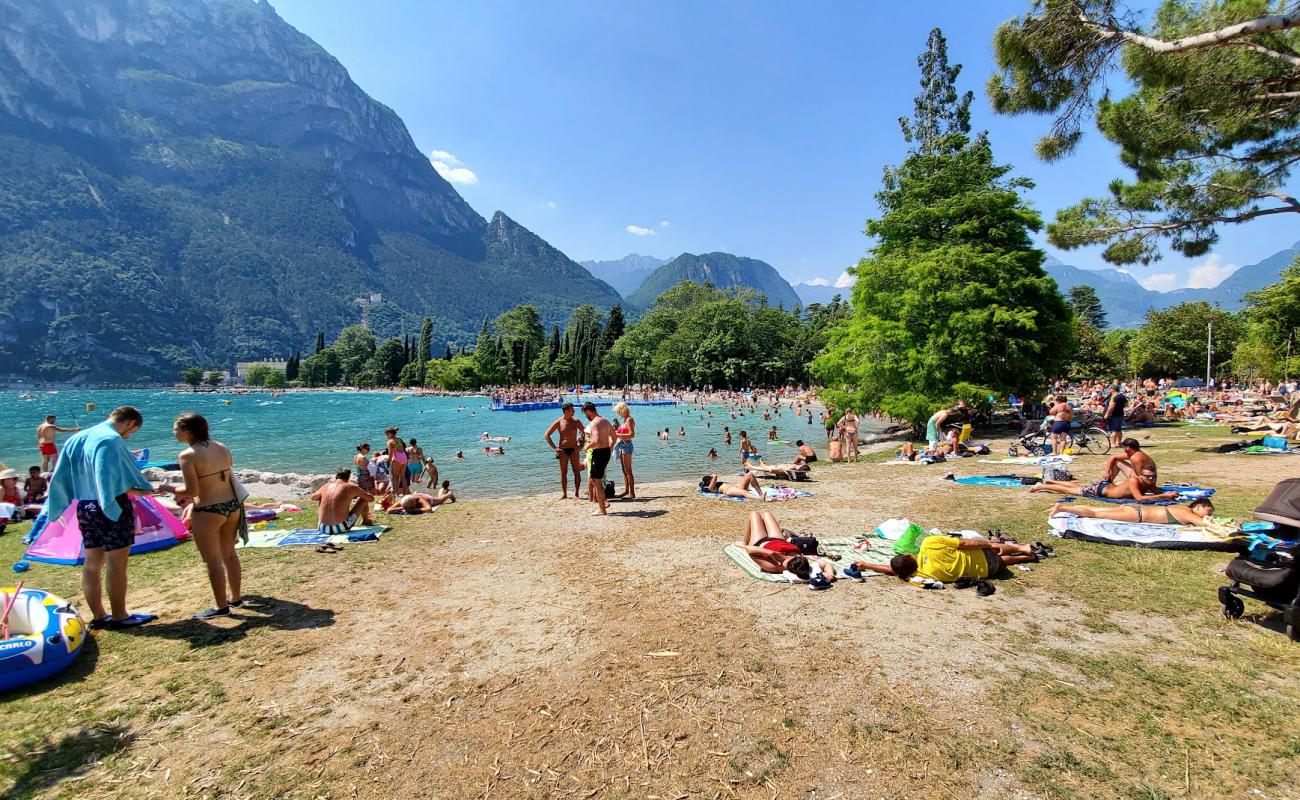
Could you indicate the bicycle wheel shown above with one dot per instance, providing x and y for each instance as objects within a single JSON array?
[{"x": 1095, "y": 441}]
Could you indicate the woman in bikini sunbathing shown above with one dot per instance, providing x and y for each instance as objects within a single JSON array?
[
  {"x": 747, "y": 488},
  {"x": 1194, "y": 513},
  {"x": 771, "y": 549},
  {"x": 217, "y": 514}
]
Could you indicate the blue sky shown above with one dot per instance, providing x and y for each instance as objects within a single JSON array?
[{"x": 674, "y": 126}]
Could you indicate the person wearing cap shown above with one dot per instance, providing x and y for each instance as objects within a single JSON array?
[{"x": 98, "y": 475}]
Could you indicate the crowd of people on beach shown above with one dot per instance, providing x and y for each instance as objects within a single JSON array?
[{"x": 96, "y": 473}]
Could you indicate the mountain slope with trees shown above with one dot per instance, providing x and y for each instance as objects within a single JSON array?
[
  {"x": 198, "y": 182},
  {"x": 723, "y": 270}
]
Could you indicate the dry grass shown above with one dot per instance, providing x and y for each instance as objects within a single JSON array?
[{"x": 523, "y": 649}]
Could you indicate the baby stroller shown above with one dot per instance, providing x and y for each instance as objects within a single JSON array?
[{"x": 1266, "y": 573}]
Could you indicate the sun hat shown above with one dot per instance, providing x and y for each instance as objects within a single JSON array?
[{"x": 9, "y": 473}]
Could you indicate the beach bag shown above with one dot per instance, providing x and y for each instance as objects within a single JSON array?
[
  {"x": 1056, "y": 472},
  {"x": 807, "y": 544},
  {"x": 1275, "y": 442},
  {"x": 910, "y": 541},
  {"x": 609, "y": 488}
]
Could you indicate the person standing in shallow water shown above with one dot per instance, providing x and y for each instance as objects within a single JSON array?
[
  {"x": 624, "y": 435},
  {"x": 566, "y": 453}
]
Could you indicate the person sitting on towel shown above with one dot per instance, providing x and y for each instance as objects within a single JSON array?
[
  {"x": 769, "y": 546},
  {"x": 948, "y": 558},
  {"x": 342, "y": 505},
  {"x": 1131, "y": 476},
  {"x": 747, "y": 488},
  {"x": 1196, "y": 513}
]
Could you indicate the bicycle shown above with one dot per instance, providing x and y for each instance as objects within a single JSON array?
[{"x": 1091, "y": 438}]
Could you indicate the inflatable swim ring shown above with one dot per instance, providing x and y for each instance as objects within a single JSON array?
[{"x": 45, "y": 636}]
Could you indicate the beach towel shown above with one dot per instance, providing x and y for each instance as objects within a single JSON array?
[
  {"x": 95, "y": 465},
  {"x": 771, "y": 494},
  {"x": 1038, "y": 461},
  {"x": 871, "y": 549},
  {"x": 311, "y": 537},
  {"x": 1003, "y": 481},
  {"x": 1139, "y": 534}
]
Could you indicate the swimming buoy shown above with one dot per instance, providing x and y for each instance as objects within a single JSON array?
[
  {"x": 45, "y": 636},
  {"x": 399, "y": 397},
  {"x": 227, "y": 402},
  {"x": 90, "y": 406}
]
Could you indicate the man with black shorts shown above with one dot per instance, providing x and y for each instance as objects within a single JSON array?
[
  {"x": 1114, "y": 414},
  {"x": 99, "y": 474},
  {"x": 600, "y": 441}
]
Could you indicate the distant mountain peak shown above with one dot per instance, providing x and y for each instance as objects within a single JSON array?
[{"x": 723, "y": 270}]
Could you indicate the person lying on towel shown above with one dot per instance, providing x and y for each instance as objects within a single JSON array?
[
  {"x": 1197, "y": 513},
  {"x": 748, "y": 487},
  {"x": 769, "y": 546},
  {"x": 1130, "y": 476},
  {"x": 948, "y": 558}
]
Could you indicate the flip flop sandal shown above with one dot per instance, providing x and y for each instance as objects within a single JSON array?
[
  {"x": 984, "y": 588},
  {"x": 100, "y": 624},
  {"x": 236, "y": 603},
  {"x": 212, "y": 612},
  {"x": 132, "y": 621},
  {"x": 329, "y": 548}
]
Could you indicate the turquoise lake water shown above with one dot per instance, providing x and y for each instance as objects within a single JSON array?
[{"x": 317, "y": 432}]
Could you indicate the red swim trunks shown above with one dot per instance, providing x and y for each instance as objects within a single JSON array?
[
  {"x": 48, "y": 449},
  {"x": 780, "y": 546}
]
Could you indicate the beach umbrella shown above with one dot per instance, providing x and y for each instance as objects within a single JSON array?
[{"x": 1189, "y": 383}]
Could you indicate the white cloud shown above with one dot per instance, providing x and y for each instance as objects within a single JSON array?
[
  {"x": 550, "y": 204},
  {"x": 1159, "y": 281},
  {"x": 663, "y": 223},
  {"x": 451, "y": 169},
  {"x": 818, "y": 282},
  {"x": 637, "y": 230},
  {"x": 1209, "y": 274},
  {"x": 844, "y": 281}
]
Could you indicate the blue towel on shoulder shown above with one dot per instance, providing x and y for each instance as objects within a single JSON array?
[{"x": 97, "y": 465}]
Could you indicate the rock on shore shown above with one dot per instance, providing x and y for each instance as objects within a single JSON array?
[{"x": 272, "y": 485}]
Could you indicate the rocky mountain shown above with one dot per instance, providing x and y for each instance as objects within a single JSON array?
[
  {"x": 627, "y": 273},
  {"x": 816, "y": 293},
  {"x": 195, "y": 181},
  {"x": 1126, "y": 301},
  {"x": 722, "y": 270}
]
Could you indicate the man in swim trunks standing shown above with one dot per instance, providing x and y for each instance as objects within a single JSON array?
[
  {"x": 342, "y": 505},
  {"x": 45, "y": 442},
  {"x": 567, "y": 452},
  {"x": 98, "y": 476},
  {"x": 934, "y": 427},
  {"x": 600, "y": 441}
]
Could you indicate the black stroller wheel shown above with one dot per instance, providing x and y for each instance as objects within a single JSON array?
[{"x": 1233, "y": 607}]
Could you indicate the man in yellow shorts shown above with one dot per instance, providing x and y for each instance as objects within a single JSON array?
[{"x": 948, "y": 559}]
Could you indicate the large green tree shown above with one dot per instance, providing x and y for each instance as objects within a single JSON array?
[
  {"x": 1173, "y": 342},
  {"x": 1209, "y": 123},
  {"x": 354, "y": 348},
  {"x": 522, "y": 335},
  {"x": 1273, "y": 315},
  {"x": 954, "y": 294},
  {"x": 1087, "y": 306}
]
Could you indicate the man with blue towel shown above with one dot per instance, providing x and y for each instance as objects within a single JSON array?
[{"x": 99, "y": 474}]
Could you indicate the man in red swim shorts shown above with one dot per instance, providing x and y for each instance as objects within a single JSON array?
[{"x": 45, "y": 441}]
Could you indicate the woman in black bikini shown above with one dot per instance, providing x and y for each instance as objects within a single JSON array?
[
  {"x": 218, "y": 513},
  {"x": 1194, "y": 513}
]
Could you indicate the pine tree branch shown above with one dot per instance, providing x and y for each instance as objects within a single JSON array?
[
  {"x": 1277, "y": 96},
  {"x": 1228, "y": 35},
  {"x": 1290, "y": 58},
  {"x": 1163, "y": 227}
]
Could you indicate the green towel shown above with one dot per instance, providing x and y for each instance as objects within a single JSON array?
[{"x": 874, "y": 550}]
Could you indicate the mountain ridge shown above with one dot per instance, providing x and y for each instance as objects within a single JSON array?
[
  {"x": 723, "y": 270},
  {"x": 199, "y": 182}
]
